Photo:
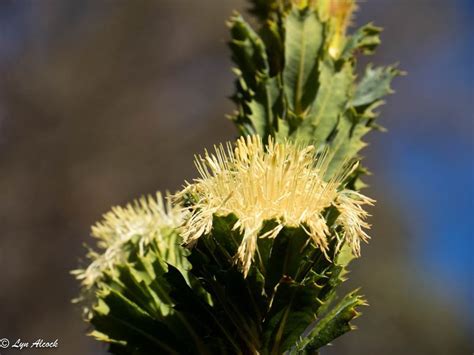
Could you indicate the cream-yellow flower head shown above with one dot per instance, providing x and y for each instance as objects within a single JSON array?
[
  {"x": 151, "y": 220},
  {"x": 277, "y": 181}
]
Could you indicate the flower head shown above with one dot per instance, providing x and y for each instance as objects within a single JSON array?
[
  {"x": 278, "y": 181},
  {"x": 340, "y": 12},
  {"x": 150, "y": 220}
]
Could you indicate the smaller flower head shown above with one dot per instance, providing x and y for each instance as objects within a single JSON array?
[
  {"x": 278, "y": 181},
  {"x": 150, "y": 220}
]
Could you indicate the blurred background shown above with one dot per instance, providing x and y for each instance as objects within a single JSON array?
[{"x": 103, "y": 101}]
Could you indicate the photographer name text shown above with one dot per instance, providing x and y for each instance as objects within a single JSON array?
[{"x": 20, "y": 344}]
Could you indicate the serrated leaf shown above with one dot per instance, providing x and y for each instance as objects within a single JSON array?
[
  {"x": 138, "y": 292},
  {"x": 374, "y": 85},
  {"x": 366, "y": 39},
  {"x": 346, "y": 141},
  {"x": 331, "y": 100},
  {"x": 303, "y": 40},
  {"x": 124, "y": 321},
  {"x": 293, "y": 309},
  {"x": 331, "y": 326},
  {"x": 258, "y": 95},
  {"x": 248, "y": 51},
  {"x": 237, "y": 302},
  {"x": 297, "y": 273},
  {"x": 271, "y": 36}
]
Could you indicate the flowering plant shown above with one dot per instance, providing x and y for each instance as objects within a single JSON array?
[{"x": 247, "y": 258}]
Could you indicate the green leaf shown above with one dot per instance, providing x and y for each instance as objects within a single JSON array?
[
  {"x": 237, "y": 302},
  {"x": 199, "y": 316},
  {"x": 303, "y": 40},
  {"x": 287, "y": 251},
  {"x": 248, "y": 51},
  {"x": 124, "y": 321},
  {"x": 282, "y": 131},
  {"x": 366, "y": 39},
  {"x": 374, "y": 85},
  {"x": 271, "y": 36},
  {"x": 331, "y": 326},
  {"x": 257, "y": 95},
  {"x": 293, "y": 309},
  {"x": 346, "y": 141},
  {"x": 334, "y": 92},
  {"x": 297, "y": 276},
  {"x": 135, "y": 311},
  {"x": 346, "y": 138}
]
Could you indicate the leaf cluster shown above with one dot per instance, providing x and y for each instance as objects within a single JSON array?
[
  {"x": 290, "y": 84},
  {"x": 148, "y": 306}
]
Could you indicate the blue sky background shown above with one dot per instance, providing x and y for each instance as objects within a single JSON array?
[{"x": 429, "y": 148}]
